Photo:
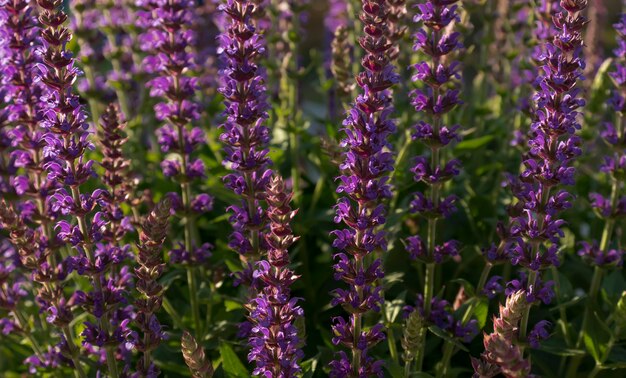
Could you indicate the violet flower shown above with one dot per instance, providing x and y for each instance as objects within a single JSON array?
[
  {"x": 274, "y": 340},
  {"x": 364, "y": 186},
  {"x": 168, "y": 39},
  {"x": 552, "y": 146},
  {"x": 19, "y": 31},
  {"x": 245, "y": 136},
  {"x": 66, "y": 143}
]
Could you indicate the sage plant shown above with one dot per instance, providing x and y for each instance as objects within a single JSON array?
[
  {"x": 553, "y": 145},
  {"x": 245, "y": 135},
  {"x": 66, "y": 144},
  {"x": 364, "y": 186},
  {"x": 168, "y": 39},
  {"x": 274, "y": 314},
  {"x": 435, "y": 98}
]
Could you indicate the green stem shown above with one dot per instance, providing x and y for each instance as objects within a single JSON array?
[
  {"x": 78, "y": 368},
  {"x": 596, "y": 280},
  {"x": 23, "y": 322},
  {"x": 429, "y": 280},
  {"x": 562, "y": 311},
  {"x": 171, "y": 311},
  {"x": 445, "y": 360},
  {"x": 532, "y": 279}
]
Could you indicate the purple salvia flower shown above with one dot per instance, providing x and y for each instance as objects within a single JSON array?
[
  {"x": 364, "y": 184},
  {"x": 66, "y": 143},
  {"x": 553, "y": 145},
  {"x": 274, "y": 314},
  {"x": 245, "y": 136},
  {"x": 435, "y": 100},
  {"x": 168, "y": 39},
  {"x": 19, "y": 31}
]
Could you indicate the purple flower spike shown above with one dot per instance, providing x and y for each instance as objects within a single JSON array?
[
  {"x": 274, "y": 337},
  {"x": 364, "y": 183},
  {"x": 168, "y": 39},
  {"x": 436, "y": 97},
  {"x": 245, "y": 135}
]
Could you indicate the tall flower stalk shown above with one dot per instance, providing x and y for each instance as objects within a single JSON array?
[
  {"x": 435, "y": 98},
  {"x": 502, "y": 355},
  {"x": 66, "y": 144},
  {"x": 149, "y": 270},
  {"x": 364, "y": 185},
  {"x": 553, "y": 146},
  {"x": 168, "y": 39},
  {"x": 274, "y": 340},
  {"x": 245, "y": 135},
  {"x": 24, "y": 112}
]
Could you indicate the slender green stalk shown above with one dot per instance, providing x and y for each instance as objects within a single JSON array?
[
  {"x": 171, "y": 311},
  {"x": 532, "y": 279},
  {"x": 23, "y": 323},
  {"x": 429, "y": 280}
]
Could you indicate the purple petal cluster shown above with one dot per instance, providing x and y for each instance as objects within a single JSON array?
[
  {"x": 275, "y": 345},
  {"x": 168, "y": 39},
  {"x": 364, "y": 185},
  {"x": 19, "y": 31},
  {"x": 436, "y": 97},
  {"x": 552, "y": 145},
  {"x": 245, "y": 135},
  {"x": 66, "y": 144}
]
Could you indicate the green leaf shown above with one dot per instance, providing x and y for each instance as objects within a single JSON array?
[
  {"x": 394, "y": 369},
  {"x": 472, "y": 144},
  {"x": 596, "y": 338},
  {"x": 231, "y": 363},
  {"x": 442, "y": 334},
  {"x": 481, "y": 311},
  {"x": 557, "y": 347},
  {"x": 231, "y": 305}
]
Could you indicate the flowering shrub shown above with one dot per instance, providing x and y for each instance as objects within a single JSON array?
[{"x": 350, "y": 188}]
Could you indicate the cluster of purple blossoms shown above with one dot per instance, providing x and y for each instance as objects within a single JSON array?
[
  {"x": 364, "y": 183},
  {"x": 24, "y": 110},
  {"x": 273, "y": 313},
  {"x": 168, "y": 39},
  {"x": 245, "y": 136},
  {"x": 613, "y": 207},
  {"x": 553, "y": 145},
  {"x": 436, "y": 98},
  {"x": 66, "y": 144}
]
